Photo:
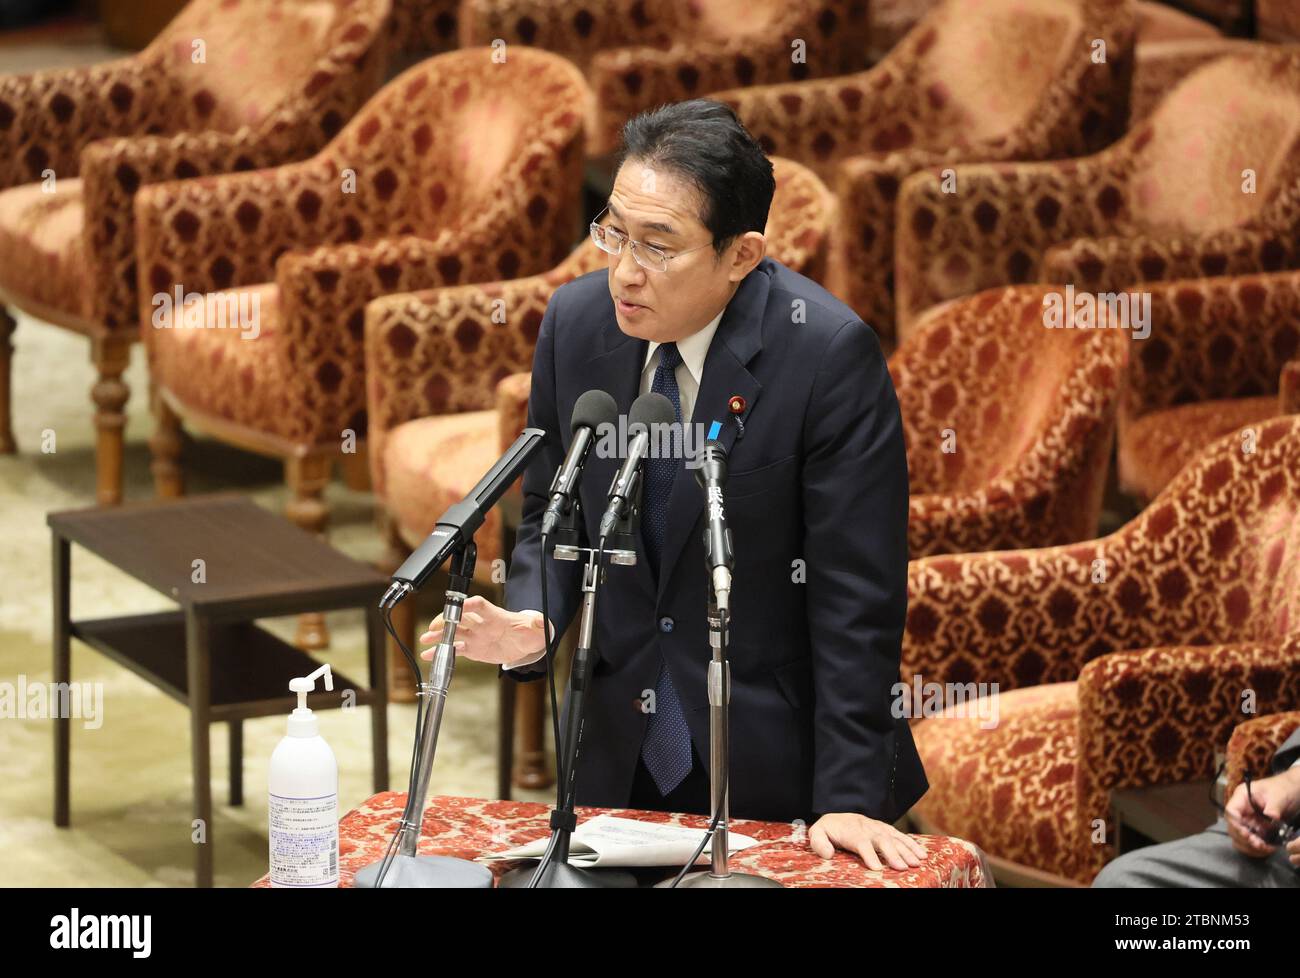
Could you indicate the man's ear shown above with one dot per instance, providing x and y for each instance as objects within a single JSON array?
[{"x": 746, "y": 252}]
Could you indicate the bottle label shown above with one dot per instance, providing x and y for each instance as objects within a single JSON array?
[{"x": 304, "y": 841}]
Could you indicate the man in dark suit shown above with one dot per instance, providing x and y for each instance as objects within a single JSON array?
[{"x": 816, "y": 501}]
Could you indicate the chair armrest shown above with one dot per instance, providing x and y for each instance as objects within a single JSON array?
[
  {"x": 48, "y": 117},
  {"x": 219, "y": 232},
  {"x": 1253, "y": 744},
  {"x": 577, "y": 29},
  {"x": 112, "y": 170},
  {"x": 990, "y": 224},
  {"x": 1217, "y": 338},
  {"x": 1112, "y": 263},
  {"x": 1026, "y": 617},
  {"x": 1156, "y": 716},
  {"x": 441, "y": 351}
]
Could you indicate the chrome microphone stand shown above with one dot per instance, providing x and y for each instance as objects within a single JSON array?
[
  {"x": 404, "y": 869},
  {"x": 719, "y": 874},
  {"x": 554, "y": 871}
]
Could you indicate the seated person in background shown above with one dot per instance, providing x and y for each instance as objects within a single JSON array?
[{"x": 1240, "y": 849}]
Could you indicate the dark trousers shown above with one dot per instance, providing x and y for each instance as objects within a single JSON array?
[{"x": 691, "y": 796}]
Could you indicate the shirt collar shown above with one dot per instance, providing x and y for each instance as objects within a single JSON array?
[{"x": 693, "y": 348}]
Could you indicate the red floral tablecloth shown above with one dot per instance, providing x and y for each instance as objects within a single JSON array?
[{"x": 469, "y": 827}]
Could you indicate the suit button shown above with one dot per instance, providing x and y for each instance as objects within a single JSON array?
[{"x": 665, "y": 624}]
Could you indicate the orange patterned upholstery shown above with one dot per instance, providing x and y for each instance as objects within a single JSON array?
[
  {"x": 1211, "y": 367},
  {"x": 1208, "y": 185},
  {"x": 1159, "y": 23},
  {"x": 1253, "y": 744},
  {"x": 460, "y": 170},
  {"x": 1121, "y": 662},
  {"x": 429, "y": 392},
  {"x": 1278, "y": 20},
  {"x": 642, "y": 53},
  {"x": 227, "y": 85},
  {"x": 423, "y": 26},
  {"x": 1008, "y": 424},
  {"x": 975, "y": 80},
  {"x": 1161, "y": 65}
]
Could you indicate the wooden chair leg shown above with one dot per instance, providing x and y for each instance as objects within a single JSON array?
[
  {"x": 111, "y": 354},
  {"x": 532, "y": 769},
  {"x": 165, "y": 446},
  {"x": 507, "y": 694},
  {"x": 7, "y": 444},
  {"x": 307, "y": 477}
]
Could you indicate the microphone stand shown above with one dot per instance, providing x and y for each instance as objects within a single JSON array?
[
  {"x": 719, "y": 874},
  {"x": 554, "y": 871},
  {"x": 405, "y": 869}
]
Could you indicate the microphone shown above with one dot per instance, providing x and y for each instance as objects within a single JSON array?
[
  {"x": 456, "y": 527},
  {"x": 648, "y": 409},
  {"x": 593, "y": 409},
  {"x": 712, "y": 477}
]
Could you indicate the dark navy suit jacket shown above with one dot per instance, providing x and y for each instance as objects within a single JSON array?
[{"x": 817, "y": 504}]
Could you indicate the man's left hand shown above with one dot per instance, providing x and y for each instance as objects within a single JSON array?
[{"x": 869, "y": 838}]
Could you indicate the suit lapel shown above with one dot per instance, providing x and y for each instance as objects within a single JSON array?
[{"x": 737, "y": 341}]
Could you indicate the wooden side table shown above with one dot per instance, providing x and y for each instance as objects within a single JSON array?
[{"x": 226, "y": 561}]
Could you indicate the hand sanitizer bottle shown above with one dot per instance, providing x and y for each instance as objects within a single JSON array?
[{"x": 304, "y": 798}]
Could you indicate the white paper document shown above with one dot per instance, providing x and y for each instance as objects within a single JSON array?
[{"x": 607, "y": 840}]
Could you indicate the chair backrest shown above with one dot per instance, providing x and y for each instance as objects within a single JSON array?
[
  {"x": 456, "y": 139},
  {"x": 1220, "y": 546},
  {"x": 984, "y": 65},
  {"x": 988, "y": 389},
  {"x": 235, "y": 62},
  {"x": 1222, "y": 149}
]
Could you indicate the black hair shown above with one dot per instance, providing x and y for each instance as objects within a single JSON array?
[{"x": 703, "y": 142}]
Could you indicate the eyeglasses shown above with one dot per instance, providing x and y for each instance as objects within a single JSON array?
[{"x": 647, "y": 256}]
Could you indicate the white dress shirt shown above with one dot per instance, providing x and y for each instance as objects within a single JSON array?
[{"x": 689, "y": 372}]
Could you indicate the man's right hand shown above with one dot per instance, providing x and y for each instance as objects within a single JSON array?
[
  {"x": 491, "y": 634},
  {"x": 1278, "y": 796}
]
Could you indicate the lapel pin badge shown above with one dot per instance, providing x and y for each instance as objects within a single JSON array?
[{"x": 737, "y": 405}]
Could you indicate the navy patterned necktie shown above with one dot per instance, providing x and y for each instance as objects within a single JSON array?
[{"x": 666, "y": 749}]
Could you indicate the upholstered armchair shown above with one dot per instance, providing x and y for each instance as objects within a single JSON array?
[
  {"x": 1162, "y": 65},
  {"x": 1009, "y": 424},
  {"x": 226, "y": 86},
  {"x": 975, "y": 80},
  {"x": 1120, "y": 663},
  {"x": 1208, "y": 185},
  {"x": 448, "y": 383},
  {"x": 462, "y": 169},
  {"x": 1223, "y": 357},
  {"x": 638, "y": 55}
]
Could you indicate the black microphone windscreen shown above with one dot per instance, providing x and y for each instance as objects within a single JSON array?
[
  {"x": 593, "y": 409},
  {"x": 651, "y": 408}
]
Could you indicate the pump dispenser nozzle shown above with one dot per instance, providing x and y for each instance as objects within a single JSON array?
[{"x": 302, "y": 722}]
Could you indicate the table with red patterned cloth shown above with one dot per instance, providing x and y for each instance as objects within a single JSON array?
[{"x": 469, "y": 827}]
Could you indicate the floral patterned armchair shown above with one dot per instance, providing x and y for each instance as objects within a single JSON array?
[
  {"x": 1009, "y": 425},
  {"x": 1222, "y": 358},
  {"x": 639, "y": 54},
  {"x": 228, "y": 85},
  {"x": 1209, "y": 184},
  {"x": 1121, "y": 663},
  {"x": 974, "y": 80}
]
